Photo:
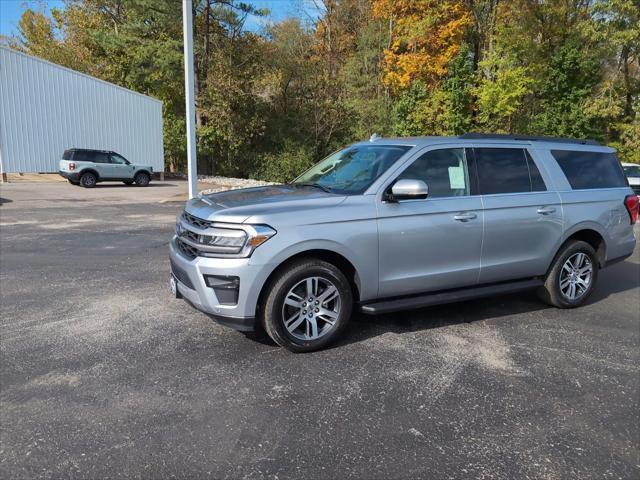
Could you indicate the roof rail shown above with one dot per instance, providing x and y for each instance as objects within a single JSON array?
[{"x": 501, "y": 136}]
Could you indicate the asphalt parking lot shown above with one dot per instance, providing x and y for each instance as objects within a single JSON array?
[{"x": 104, "y": 375}]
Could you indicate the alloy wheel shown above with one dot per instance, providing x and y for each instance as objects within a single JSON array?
[
  {"x": 142, "y": 180},
  {"x": 311, "y": 308},
  {"x": 576, "y": 276}
]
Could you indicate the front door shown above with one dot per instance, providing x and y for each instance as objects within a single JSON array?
[
  {"x": 122, "y": 169},
  {"x": 102, "y": 164},
  {"x": 435, "y": 243}
]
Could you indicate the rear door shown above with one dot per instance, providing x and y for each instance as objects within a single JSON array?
[
  {"x": 84, "y": 159},
  {"x": 523, "y": 220},
  {"x": 102, "y": 165},
  {"x": 435, "y": 243}
]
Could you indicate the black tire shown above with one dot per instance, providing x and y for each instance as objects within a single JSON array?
[
  {"x": 88, "y": 180},
  {"x": 552, "y": 293},
  {"x": 142, "y": 179},
  {"x": 72, "y": 182},
  {"x": 128, "y": 182},
  {"x": 295, "y": 276}
]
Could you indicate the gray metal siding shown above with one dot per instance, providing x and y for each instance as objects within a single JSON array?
[{"x": 46, "y": 108}]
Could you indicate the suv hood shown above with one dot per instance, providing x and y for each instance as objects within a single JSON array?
[{"x": 237, "y": 206}]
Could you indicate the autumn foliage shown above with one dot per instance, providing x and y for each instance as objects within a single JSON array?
[
  {"x": 425, "y": 36},
  {"x": 271, "y": 100}
]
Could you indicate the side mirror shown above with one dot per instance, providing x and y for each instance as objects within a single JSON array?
[{"x": 407, "y": 189}]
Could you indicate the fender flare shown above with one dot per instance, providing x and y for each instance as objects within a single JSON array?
[
  {"x": 579, "y": 227},
  {"x": 89, "y": 170},
  {"x": 299, "y": 249}
]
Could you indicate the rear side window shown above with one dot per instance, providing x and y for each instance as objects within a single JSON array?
[
  {"x": 100, "y": 157},
  {"x": 502, "y": 170},
  {"x": 588, "y": 170},
  {"x": 67, "y": 155},
  {"x": 83, "y": 156}
]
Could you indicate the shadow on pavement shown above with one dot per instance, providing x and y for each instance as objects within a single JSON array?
[
  {"x": 122, "y": 185},
  {"x": 615, "y": 279}
]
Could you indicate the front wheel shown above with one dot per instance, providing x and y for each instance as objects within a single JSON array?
[
  {"x": 142, "y": 179},
  {"x": 307, "y": 306},
  {"x": 572, "y": 276}
]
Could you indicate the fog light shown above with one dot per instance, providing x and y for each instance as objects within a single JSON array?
[{"x": 226, "y": 288}]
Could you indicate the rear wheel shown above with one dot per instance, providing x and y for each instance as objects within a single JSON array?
[
  {"x": 142, "y": 179},
  {"x": 88, "y": 180},
  {"x": 572, "y": 276},
  {"x": 307, "y": 306}
]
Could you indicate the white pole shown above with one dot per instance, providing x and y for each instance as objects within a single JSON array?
[{"x": 192, "y": 165}]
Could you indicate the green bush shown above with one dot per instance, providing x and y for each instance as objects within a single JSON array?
[{"x": 285, "y": 165}]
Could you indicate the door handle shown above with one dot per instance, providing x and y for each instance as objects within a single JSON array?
[
  {"x": 465, "y": 217},
  {"x": 546, "y": 210}
]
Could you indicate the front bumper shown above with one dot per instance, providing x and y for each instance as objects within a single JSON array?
[{"x": 190, "y": 283}]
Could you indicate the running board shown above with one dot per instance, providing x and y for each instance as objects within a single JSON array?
[{"x": 449, "y": 296}]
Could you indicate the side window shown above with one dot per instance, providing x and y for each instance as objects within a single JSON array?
[
  {"x": 67, "y": 155},
  {"x": 537, "y": 182},
  {"x": 99, "y": 157},
  {"x": 502, "y": 170},
  {"x": 82, "y": 156},
  {"x": 587, "y": 170},
  {"x": 115, "y": 158},
  {"x": 445, "y": 172}
]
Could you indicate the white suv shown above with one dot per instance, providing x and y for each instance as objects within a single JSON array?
[
  {"x": 632, "y": 171},
  {"x": 87, "y": 167}
]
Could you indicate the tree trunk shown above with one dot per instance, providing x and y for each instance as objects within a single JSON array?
[{"x": 628, "y": 104}]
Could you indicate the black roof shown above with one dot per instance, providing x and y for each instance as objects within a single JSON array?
[
  {"x": 500, "y": 136},
  {"x": 88, "y": 150}
]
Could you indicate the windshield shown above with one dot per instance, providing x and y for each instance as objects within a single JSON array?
[
  {"x": 352, "y": 170},
  {"x": 631, "y": 170}
]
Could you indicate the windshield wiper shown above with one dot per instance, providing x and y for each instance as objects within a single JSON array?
[{"x": 315, "y": 185}]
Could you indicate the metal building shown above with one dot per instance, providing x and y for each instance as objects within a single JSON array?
[{"x": 46, "y": 109}]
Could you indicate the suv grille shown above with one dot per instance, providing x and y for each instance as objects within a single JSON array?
[
  {"x": 195, "y": 221},
  {"x": 194, "y": 237},
  {"x": 187, "y": 250}
]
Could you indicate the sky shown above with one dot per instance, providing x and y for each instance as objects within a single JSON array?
[{"x": 11, "y": 10}]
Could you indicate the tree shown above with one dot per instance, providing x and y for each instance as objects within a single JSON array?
[
  {"x": 426, "y": 36},
  {"x": 270, "y": 103}
]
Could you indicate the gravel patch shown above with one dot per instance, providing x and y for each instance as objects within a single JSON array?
[{"x": 219, "y": 184}]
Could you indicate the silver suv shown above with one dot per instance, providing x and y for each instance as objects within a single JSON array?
[{"x": 402, "y": 223}]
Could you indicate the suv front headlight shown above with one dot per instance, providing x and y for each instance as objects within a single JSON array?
[
  {"x": 223, "y": 240},
  {"x": 212, "y": 239},
  {"x": 236, "y": 241}
]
